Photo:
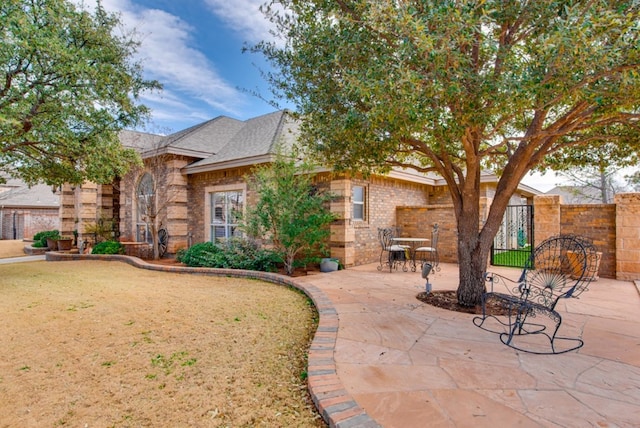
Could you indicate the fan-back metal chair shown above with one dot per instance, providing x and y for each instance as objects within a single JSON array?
[{"x": 560, "y": 267}]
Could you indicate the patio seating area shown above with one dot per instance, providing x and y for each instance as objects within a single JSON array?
[{"x": 402, "y": 363}]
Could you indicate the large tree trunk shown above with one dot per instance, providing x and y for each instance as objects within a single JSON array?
[{"x": 472, "y": 259}]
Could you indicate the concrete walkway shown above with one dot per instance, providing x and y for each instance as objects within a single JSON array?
[
  {"x": 22, "y": 259},
  {"x": 407, "y": 364}
]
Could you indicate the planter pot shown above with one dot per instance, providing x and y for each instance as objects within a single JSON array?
[
  {"x": 328, "y": 265},
  {"x": 65, "y": 244},
  {"x": 52, "y": 244},
  {"x": 593, "y": 265}
]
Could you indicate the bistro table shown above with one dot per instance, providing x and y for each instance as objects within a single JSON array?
[{"x": 411, "y": 244}]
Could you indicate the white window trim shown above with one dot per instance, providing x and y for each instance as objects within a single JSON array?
[
  {"x": 208, "y": 190},
  {"x": 365, "y": 211}
]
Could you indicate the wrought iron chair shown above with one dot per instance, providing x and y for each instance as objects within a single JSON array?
[
  {"x": 558, "y": 268},
  {"x": 430, "y": 253},
  {"x": 391, "y": 254}
]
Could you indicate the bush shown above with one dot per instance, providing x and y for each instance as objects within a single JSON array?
[
  {"x": 236, "y": 253},
  {"x": 108, "y": 247},
  {"x": 40, "y": 238}
]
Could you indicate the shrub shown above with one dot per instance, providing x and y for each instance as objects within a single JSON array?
[
  {"x": 108, "y": 247},
  {"x": 290, "y": 211},
  {"x": 236, "y": 253},
  {"x": 40, "y": 238}
]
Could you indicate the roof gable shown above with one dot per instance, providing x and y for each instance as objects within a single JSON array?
[
  {"x": 254, "y": 142},
  {"x": 207, "y": 138}
]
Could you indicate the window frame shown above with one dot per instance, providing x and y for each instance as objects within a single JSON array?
[
  {"x": 361, "y": 204},
  {"x": 211, "y": 212}
]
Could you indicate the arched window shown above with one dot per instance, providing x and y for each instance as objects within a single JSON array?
[{"x": 146, "y": 205}]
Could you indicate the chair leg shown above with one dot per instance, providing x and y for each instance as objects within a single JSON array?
[{"x": 381, "y": 258}]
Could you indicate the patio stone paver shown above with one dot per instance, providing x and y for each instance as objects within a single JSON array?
[
  {"x": 408, "y": 364},
  {"x": 382, "y": 358}
]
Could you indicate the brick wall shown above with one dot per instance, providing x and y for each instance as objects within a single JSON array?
[
  {"x": 197, "y": 197},
  {"x": 613, "y": 228},
  {"x": 418, "y": 222},
  {"x": 385, "y": 196},
  {"x": 27, "y": 221},
  {"x": 596, "y": 222},
  {"x": 628, "y": 236}
]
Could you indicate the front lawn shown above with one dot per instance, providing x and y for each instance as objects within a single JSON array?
[{"x": 94, "y": 343}]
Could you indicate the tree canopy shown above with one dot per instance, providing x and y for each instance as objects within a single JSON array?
[
  {"x": 456, "y": 87},
  {"x": 68, "y": 84}
]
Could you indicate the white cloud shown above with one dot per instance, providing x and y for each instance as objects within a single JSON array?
[
  {"x": 244, "y": 17},
  {"x": 167, "y": 55}
]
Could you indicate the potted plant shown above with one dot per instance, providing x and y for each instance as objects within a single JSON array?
[
  {"x": 65, "y": 243},
  {"x": 47, "y": 239}
]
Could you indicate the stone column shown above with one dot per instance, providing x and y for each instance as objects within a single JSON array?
[
  {"x": 176, "y": 220},
  {"x": 546, "y": 217},
  {"x": 627, "y": 236},
  {"x": 342, "y": 240}
]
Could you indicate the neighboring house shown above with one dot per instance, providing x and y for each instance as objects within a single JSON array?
[
  {"x": 577, "y": 194},
  {"x": 201, "y": 176},
  {"x": 25, "y": 211}
]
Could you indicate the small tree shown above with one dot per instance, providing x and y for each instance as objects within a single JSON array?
[
  {"x": 290, "y": 211},
  {"x": 156, "y": 190}
]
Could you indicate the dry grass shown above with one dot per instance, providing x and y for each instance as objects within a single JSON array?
[
  {"x": 11, "y": 248},
  {"x": 104, "y": 344}
]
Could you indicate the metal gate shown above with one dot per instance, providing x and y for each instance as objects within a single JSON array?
[{"x": 514, "y": 242}]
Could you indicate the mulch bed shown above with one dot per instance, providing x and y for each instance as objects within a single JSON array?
[{"x": 447, "y": 299}]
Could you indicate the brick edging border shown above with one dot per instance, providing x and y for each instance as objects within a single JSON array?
[{"x": 334, "y": 403}]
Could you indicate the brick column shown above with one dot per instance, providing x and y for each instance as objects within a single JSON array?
[
  {"x": 342, "y": 240},
  {"x": 546, "y": 217},
  {"x": 176, "y": 216},
  {"x": 627, "y": 236},
  {"x": 87, "y": 207}
]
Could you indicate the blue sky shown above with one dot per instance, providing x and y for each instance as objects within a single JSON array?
[{"x": 194, "y": 48}]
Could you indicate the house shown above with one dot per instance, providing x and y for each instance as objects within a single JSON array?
[
  {"x": 200, "y": 174},
  {"x": 25, "y": 211},
  {"x": 579, "y": 194}
]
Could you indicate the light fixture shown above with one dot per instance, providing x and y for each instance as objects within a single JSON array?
[{"x": 426, "y": 270}]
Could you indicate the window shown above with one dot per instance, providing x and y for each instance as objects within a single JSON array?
[
  {"x": 358, "y": 198},
  {"x": 225, "y": 207},
  {"x": 145, "y": 207}
]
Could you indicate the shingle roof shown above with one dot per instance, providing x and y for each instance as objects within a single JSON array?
[
  {"x": 140, "y": 141},
  {"x": 255, "y": 138},
  {"x": 208, "y": 137},
  {"x": 15, "y": 193},
  {"x": 577, "y": 194}
]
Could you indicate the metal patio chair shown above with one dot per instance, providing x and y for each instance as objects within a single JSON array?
[
  {"x": 559, "y": 268},
  {"x": 391, "y": 255},
  {"x": 429, "y": 254}
]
